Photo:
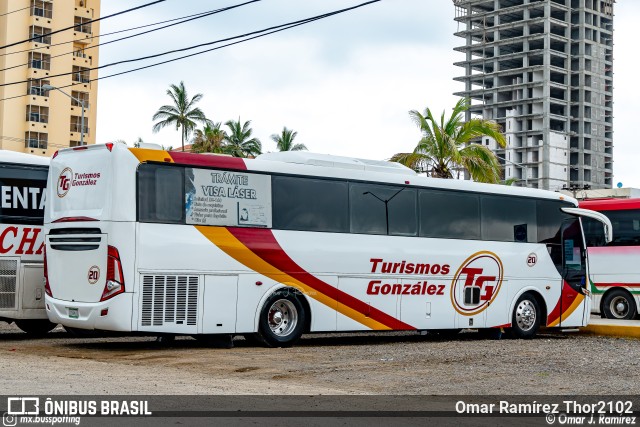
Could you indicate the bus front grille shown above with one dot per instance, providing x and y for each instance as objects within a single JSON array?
[
  {"x": 8, "y": 281},
  {"x": 169, "y": 300}
]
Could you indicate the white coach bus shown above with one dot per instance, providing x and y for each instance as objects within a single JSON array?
[
  {"x": 177, "y": 243},
  {"x": 23, "y": 178}
]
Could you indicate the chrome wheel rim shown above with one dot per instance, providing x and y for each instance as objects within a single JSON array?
[
  {"x": 619, "y": 307},
  {"x": 526, "y": 315},
  {"x": 282, "y": 317}
]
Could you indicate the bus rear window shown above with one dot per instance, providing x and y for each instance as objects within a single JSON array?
[{"x": 22, "y": 196}]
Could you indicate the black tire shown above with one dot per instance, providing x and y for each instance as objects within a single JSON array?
[
  {"x": 35, "y": 328},
  {"x": 525, "y": 320},
  {"x": 282, "y": 318},
  {"x": 619, "y": 304}
]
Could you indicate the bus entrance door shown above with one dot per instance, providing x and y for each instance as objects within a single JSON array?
[{"x": 573, "y": 303}]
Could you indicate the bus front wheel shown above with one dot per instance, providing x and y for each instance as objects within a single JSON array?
[
  {"x": 282, "y": 318},
  {"x": 525, "y": 320},
  {"x": 36, "y": 327},
  {"x": 619, "y": 304}
]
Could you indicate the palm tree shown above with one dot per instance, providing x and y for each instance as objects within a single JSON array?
[
  {"x": 284, "y": 141},
  {"x": 446, "y": 146},
  {"x": 182, "y": 114},
  {"x": 211, "y": 139},
  {"x": 239, "y": 140}
]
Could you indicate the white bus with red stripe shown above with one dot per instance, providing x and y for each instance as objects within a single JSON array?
[
  {"x": 176, "y": 243},
  {"x": 23, "y": 178},
  {"x": 615, "y": 273}
]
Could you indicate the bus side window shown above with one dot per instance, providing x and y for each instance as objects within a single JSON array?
[
  {"x": 308, "y": 204},
  {"x": 161, "y": 194},
  {"x": 593, "y": 232},
  {"x": 374, "y": 209}
]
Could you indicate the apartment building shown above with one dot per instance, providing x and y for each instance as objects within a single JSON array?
[
  {"x": 543, "y": 69},
  {"x": 33, "y": 119}
]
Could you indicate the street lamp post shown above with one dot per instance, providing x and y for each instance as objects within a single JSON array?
[
  {"x": 526, "y": 169},
  {"x": 386, "y": 204},
  {"x": 78, "y": 100}
]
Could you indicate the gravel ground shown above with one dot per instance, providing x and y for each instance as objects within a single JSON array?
[{"x": 395, "y": 363}]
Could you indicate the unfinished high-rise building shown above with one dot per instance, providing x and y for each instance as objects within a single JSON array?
[{"x": 543, "y": 69}]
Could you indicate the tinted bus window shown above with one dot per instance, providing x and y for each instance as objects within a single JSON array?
[
  {"x": 372, "y": 206},
  {"x": 593, "y": 232},
  {"x": 161, "y": 194},
  {"x": 549, "y": 219},
  {"x": 22, "y": 196},
  {"x": 449, "y": 215},
  {"x": 508, "y": 219},
  {"x": 626, "y": 227},
  {"x": 310, "y": 204}
]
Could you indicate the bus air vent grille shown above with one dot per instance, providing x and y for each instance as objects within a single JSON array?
[
  {"x": 8, "y": 280},
  {"x": 169, "y": 300}
]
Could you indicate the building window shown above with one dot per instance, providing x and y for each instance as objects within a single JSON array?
[
  {"x": 35, "y": 87},
  {"x": 77, "y": 143},
  {"x": 82, "y": 24},
  {"x": 36, "y": 140},
  {"x": 76, "y": 125},
  {"x": 78, "y": 51},
  {"x": 80, "y": 96},
  {"x": 41, "y": 8},
  {"x": 39, "y": 60},
  {"x": 38, "y": 114},
  {"x": 81, "y": 74},
  {"x": 40, "y": 34}
]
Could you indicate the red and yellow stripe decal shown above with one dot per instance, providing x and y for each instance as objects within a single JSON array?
[
  {"x": 216, "y": 161},
  {"x": 259, "y": 250},
  {"x": 569, "y": 301}
]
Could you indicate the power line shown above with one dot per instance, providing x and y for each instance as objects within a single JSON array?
[
  {"x": 256, "y": 34},
  {"x": 275, "y": 29},
  {"x": 14, "y": 11},
  {"x": 101, "y": 35},
  {"x": 88, "y": 22},
  {"x": 191, "y": 18}
]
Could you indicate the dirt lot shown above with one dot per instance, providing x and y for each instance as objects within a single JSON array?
[{"x": 320, "y": 364}]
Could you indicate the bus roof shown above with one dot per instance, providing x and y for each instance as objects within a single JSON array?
[
  {"x": 7, "y": 156},
  {"x": 611, "y": 204},
  {"x": 323, "y": 165}
]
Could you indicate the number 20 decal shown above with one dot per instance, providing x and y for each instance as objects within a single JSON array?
[{"x": 94, "y": 274}]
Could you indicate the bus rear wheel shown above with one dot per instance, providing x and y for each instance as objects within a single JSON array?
[
  {"x": 282, "y": 318},
  {"x": 618, "y": 304},
  {"x": 37, "y": 327},
  {"x": 525, "y": 320}
]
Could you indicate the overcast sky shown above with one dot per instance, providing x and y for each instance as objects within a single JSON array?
[{"x": 345, "y": 83}]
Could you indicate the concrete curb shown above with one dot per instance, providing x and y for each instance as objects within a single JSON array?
[{"x": 612, "y": 328}]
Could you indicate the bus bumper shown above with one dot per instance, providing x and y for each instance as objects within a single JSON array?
[{"x": 110, "y": 315}]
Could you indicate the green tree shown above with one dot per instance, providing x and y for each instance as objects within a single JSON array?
[
  {"x": 182, "y": 114},
  {"x": 284, "y": 141},
  {"x": 240, "y": 142},
  {"x": 446, "y": 145},
  {"x": 211, "y": 139}
]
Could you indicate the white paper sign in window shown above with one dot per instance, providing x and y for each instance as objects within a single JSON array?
[{"x": 227, "y": 198}]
